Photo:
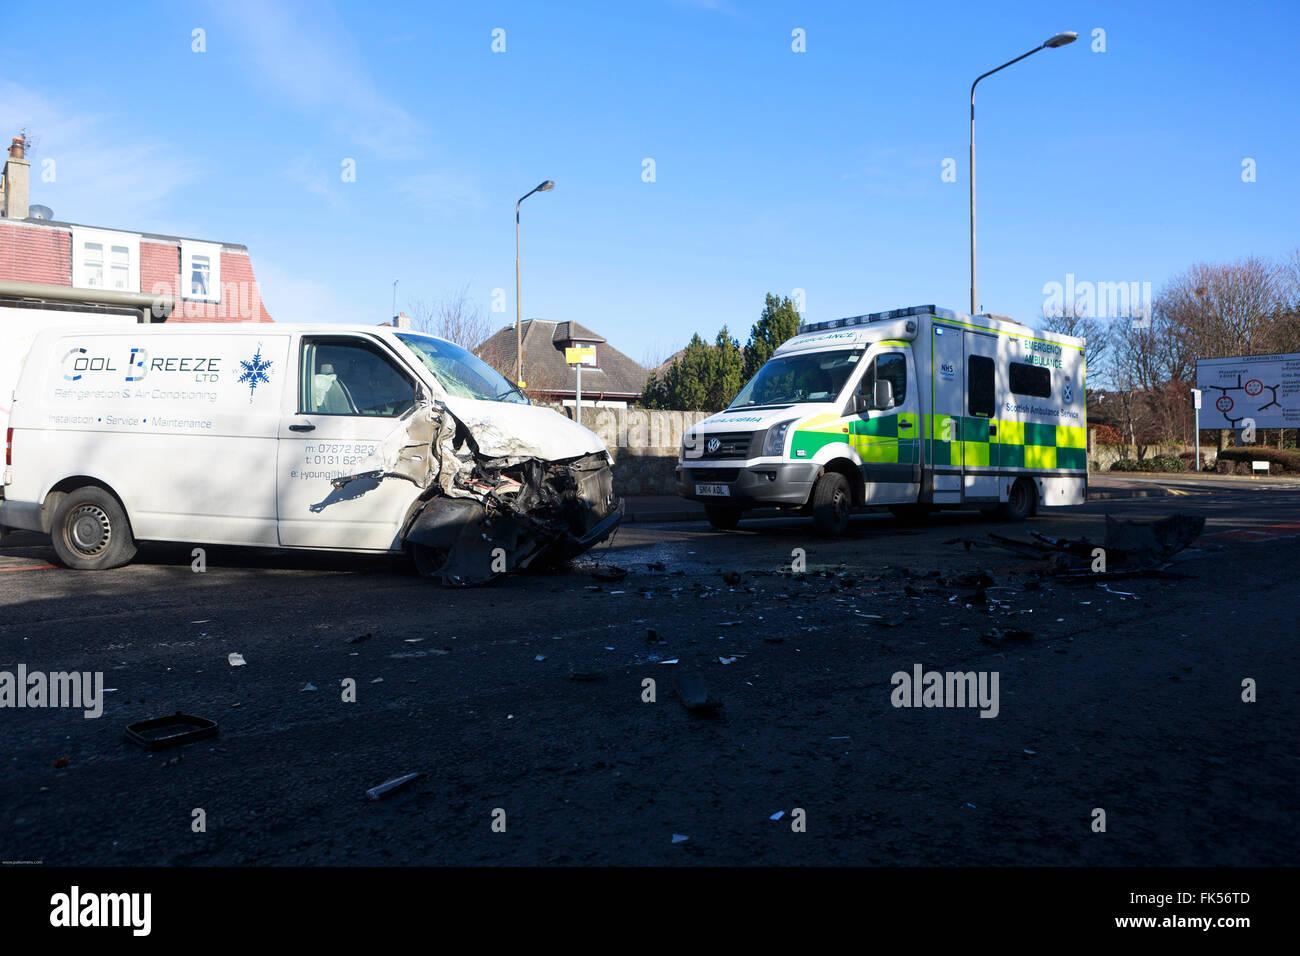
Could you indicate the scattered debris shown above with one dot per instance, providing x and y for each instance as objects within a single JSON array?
[
  {"x": 375, "y": 793},
  {"x": 61, "y": 762},
  {"x": 696, "y": 695},
  {"x": 236, "y": 660},
  {"x": 310, "y": 686},
  {"x": 652, "y": 636},
  {"x": 583, "y": 672},
  {"x": 998, "y": 637},
  {"x": 608, "y": 572},
  {"x": 778, "y": 815},
  {"x": 360, "y": 637},
  {"x": 680, "y": 838},
  {"x": 731, "y": 577}
]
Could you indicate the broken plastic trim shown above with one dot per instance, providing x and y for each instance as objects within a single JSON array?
[{"x": 482, "y": 517}]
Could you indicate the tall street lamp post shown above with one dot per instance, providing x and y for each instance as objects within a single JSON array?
[
  {"x": 1060, "y": 39},
  {"x": 519, "y": 310}
]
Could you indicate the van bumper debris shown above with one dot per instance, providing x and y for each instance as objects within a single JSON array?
[{"x": 481, "y": 517}]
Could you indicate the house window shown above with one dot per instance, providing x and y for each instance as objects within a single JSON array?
[
  {"x": 94, "y": 268},
  {"x": 120, "y": 262},
  {"x": 105, "y": 260},
  {"x": 201, "y": 271}
]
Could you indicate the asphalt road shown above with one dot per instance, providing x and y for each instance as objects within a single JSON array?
[{"x": 523, "y": 703}]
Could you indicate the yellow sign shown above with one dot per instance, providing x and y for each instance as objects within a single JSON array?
[{"x": 579, "y": 356}]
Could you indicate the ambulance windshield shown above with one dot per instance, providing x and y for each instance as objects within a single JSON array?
[
  {"x": 806, "y": 377},
  {"x": 462, "y": 373}
]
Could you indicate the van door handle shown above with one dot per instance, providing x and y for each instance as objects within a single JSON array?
[
  {"x": 904, "y": 424},
  {"x": 993, "y": 429},
  {"x": 302, "y": 428}
]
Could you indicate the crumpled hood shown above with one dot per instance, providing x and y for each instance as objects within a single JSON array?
[{"x": 506, "y": 430}]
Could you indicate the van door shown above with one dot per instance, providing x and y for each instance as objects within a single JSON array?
[
  {"x": 888, "y": 440},
  {"x": 944, "y": 448},
  {"x": 980, "y": 451},
  {"x": 350, "y": 393}
]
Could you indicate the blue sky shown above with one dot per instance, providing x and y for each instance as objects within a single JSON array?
[{"x": 774, "y": 170}]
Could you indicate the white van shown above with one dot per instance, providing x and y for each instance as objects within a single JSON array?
[
  {"x": 914, "y": 409},
  {"x": 351, "y": 438}
]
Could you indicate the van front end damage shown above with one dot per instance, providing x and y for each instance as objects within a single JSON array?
[{"x": 483, "y": 515}]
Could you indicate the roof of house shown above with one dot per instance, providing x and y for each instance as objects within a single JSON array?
[{"x": 544, "y": 366}]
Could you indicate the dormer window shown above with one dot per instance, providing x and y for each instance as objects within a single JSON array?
[{"x": 200, "y": 271}]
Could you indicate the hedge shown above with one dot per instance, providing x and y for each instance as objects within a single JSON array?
[{"x": 1289, "y": 461}]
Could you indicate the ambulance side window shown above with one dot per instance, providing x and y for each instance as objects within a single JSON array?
[
  {"x": 350, "y": 377},
  {"x": 979, "y": 386},
  {"x": 891, "y": 368}
]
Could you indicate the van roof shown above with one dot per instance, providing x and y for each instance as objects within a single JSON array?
[
  {"x": 234, "y": 328},
  {"x": 874, "y": 326}
]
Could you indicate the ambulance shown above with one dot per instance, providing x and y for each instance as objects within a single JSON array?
[
  {"x": 338, "y": 437},
  {"x": 913, "y": 410}
]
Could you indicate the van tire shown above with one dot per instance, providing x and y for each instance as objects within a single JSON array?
[
  {"x": 832, "y": 504},
  {"x": 722, "y": 519},
  {"x": 91, "y": 532},
  {"x": 1022, "y": 501}
]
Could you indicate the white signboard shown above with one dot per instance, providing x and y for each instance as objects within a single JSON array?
[{"x": 1263, "y": 388}]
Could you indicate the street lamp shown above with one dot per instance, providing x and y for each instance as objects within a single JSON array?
[
  {"x": 545, "y": 187},
  {"x": 1059, "y": 39}
]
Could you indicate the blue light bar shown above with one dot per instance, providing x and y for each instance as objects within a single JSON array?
[{"x": 880, "y": 317}]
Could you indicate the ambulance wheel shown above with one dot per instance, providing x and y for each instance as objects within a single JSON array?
[
  {"x": 1020, "y": 503},
  {"x": 722, "y": 519},
  {"x": 91, "y": 532},
  {"x": 832, "y": 503}
]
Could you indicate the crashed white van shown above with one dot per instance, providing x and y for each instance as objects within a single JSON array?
[{"x": 350, "y": 438}]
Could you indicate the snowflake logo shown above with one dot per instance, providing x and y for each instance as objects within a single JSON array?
[{"x": 254, "y": 373}]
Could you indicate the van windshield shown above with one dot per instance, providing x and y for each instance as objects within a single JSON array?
[
  {"x": 462, "y": 373},
  {"x": 791, "y": 379}
]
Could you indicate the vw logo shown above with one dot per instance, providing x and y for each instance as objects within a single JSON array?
[{"x": 713, "y": 446}]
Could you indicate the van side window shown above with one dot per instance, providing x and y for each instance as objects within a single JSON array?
[
  {"x": 342, "y": 377},
  {"x": 891, "y": 368},
  {"x": 979, "y": 386},
  {"x": 1032, "y": 380}
]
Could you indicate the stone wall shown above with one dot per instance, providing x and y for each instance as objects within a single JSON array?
[{"x": 645, "y": 444}]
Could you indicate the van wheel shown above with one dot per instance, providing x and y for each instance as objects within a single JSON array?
[
  {"x": 832, "y": 503},
  {"x": 1020, "y": 503},
  {"x": 722, "y": 519},
  {"x": 91, "y": 531}
]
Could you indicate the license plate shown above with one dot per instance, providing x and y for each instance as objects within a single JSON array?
[{"x": 712, "y": 490}]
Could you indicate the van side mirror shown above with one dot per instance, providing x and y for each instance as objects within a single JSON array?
[
  {"x": 858, "y": 404},
  {"x": 884, "y": 394}
]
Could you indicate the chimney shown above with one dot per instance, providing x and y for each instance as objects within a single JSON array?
[{"x": 16, "y": 175}]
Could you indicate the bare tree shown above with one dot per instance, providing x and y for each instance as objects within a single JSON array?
[
  {"x": 455, "y": 317},
  {"x": 1072, "y": 320}
]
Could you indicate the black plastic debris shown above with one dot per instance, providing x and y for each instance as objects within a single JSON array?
[
  {"x": 731, "y": 577},
  {"x": 160, "y": 733},
  {"x": 608, "y": 572},
  {"x": 652, "y": 636},
  {"x": 696, "y": 695},
  {"x": 360, "y": 637}
]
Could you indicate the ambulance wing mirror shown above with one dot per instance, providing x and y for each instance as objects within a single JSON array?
[{"x": 883, "y": 396}]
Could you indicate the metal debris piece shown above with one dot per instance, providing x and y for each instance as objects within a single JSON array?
[{"x": 376, "y": 793}]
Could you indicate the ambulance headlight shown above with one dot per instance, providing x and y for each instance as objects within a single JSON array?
[{"x": 774, "y": 441}]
